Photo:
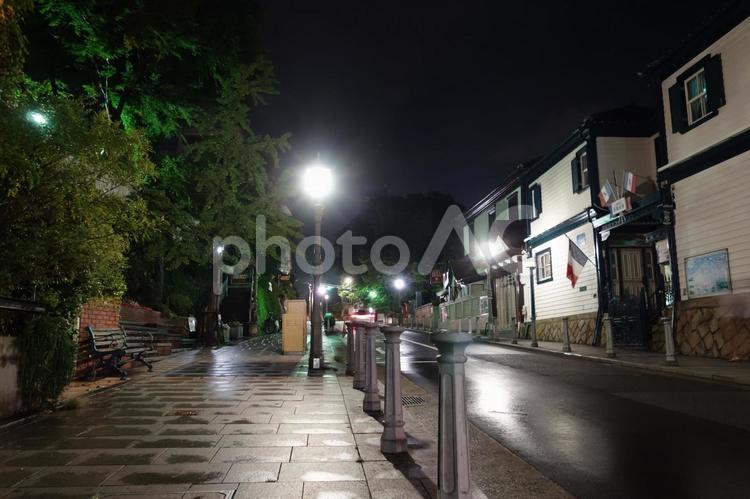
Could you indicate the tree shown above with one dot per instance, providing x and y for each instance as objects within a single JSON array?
[
  {"x": 189, "y": 74},
  {"x": 66, "y": 215}
]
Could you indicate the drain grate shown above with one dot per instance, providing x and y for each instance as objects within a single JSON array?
[{"x": 409, "y": 400}]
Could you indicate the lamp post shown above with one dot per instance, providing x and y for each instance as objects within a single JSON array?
[
  {"x": 399, "y": 284},
  {"x": 317, "y": 184}
]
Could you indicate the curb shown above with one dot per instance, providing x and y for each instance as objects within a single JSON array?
[{"x": 673, "y": 370}]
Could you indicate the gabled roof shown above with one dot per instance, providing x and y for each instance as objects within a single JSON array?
[
  {"x": 626, "y": 121},
  {"x": 731, "y": 14},
  {"x": 511, "y": 182}
]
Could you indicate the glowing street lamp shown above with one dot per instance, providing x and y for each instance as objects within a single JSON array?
[
  {"x": 317, "y": 183},
  {"x": 372, "y": 294},
  {"x": 399, "y": 284},
  {"x": 37, "y": 118},
  {"x": 348, "y": 281}
]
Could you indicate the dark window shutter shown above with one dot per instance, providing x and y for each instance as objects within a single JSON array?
[
  {"x": 575, "y": 172},
  {"x": 539, "y": 198},
  {"x": 536, "y": 191},
  {"x": 677, "y": 107},
  {"x": 715, "y": 83}
]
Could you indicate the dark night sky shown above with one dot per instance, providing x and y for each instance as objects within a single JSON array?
[{"x": 449, "y": 96}]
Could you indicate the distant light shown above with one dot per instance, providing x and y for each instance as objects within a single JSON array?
[
  {"x": 318, "y": 181},
  {"x": 220, "y": 249},
  {"x": 348, "y": 281},
  {"x": 371, "y": 310},
  {"x": 372, "y": 294},
  {"x": 322, "y": 289},
  {"x": 399, "y": 283},
  {"x": 36, "y": 118},
  {"x": 326, "y": 297}
]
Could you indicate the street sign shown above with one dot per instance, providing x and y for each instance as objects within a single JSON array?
[
  {"x": 436, "y": 276},
  {"x": 620, "y": 206}
]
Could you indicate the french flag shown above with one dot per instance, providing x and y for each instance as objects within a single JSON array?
[
  {"x": 576, "y": 262},
  {"x": 629, "y": 181}
]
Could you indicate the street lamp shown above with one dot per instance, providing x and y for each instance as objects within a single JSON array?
[
  {"x": 317, "y": 183},
  {"x": 348, "y": 281},
  {"x": 36, "y": 118},
  {"x": 399, "y": 284}
]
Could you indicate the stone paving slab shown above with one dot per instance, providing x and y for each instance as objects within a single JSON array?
[{"x": 204, "y": 424}]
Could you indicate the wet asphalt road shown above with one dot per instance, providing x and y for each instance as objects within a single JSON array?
[{"x": 601, "y": 430}]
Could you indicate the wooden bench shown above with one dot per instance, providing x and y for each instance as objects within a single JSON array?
[{"x": 113, "y": 348}]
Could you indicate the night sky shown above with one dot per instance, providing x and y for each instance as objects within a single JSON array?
[{"x": 450, "y": 96}]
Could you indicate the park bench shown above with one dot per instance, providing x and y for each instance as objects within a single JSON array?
[{"x": 114, "y": 347}]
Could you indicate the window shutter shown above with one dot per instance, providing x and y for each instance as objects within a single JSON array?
[
  {"x": 715, "y": 83},
  {"x": 575, "y": 172},
  {"x": 677, "y": 107},
  {"x": 537, "y": 193}
]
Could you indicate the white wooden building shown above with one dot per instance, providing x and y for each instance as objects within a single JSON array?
[{"x": 705, "y": 95}]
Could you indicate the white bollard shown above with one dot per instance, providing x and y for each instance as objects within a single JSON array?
[
  {"x": 393, "y": 440},
  {"x": 454, "y": 479},
  {"x": 565, "y": 335},
  {"x": 371, "y": 402},
  {"x": 610, "y": 335},
  {"x": 671, "y": 358}
]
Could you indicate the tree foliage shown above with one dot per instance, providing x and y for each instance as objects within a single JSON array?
[
  {"x": 189, "y": 74},
  {"x": 66, "y": 215}
]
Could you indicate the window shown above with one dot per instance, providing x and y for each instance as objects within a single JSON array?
[
  {"x": 544, "y": 266},
  {"x": 580, "y": 171},
  {"x": 535, "y": 192},
  {"x": 584, "y": 167},
  {"x": 513, "y": 206},
  {"x": 695, "y": 93}
]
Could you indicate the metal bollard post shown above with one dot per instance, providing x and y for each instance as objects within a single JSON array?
[
  {"x": 358, "y": 383},
  {"x": 610, "y": 336},
  {"x": 671, "y": 359},
  {"x": 515, "y": 333},
  {"x": 393, "y": 439},
  {"x": 349, "y": 330},
  {"x": 534, "y": 343},
  {"x": 371, "y": 402},
  {"x": 453, "y": 432},
  {"x": 565, "y": 335}
]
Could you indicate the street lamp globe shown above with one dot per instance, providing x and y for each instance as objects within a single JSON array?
[
  {"x": 372, "y": 294},
  {"x": 36, "y": 118},
  {"x": 348, "y": 281},
  {"x": 399, "y": 283},
  {"x": 322, "y": 290},
  {"x": 317, "y": 181}
]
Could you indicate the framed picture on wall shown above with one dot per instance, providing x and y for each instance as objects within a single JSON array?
[{"x": 708, "y": 274}]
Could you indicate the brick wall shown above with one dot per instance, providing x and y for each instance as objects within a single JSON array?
[
  {"x": 103, "y": 313},
  {"x": 131, "y": 311}
]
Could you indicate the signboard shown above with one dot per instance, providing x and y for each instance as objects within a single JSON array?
[
  {"x": 620, "y": 206},
  {"x": 662, "y": 251},
  {"x": 708, "y": 274},
  {"x": 436, "y": 276}
]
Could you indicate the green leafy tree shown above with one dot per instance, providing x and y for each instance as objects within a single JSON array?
[{"x": 189, "y": 74}]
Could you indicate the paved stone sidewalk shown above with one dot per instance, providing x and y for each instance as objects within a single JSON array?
[{"x": 215, "y": 423}]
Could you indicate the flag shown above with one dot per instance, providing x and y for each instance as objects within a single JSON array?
[
  {"x": 607, "y": 194},
  {"x": 576, "y": 261},
  {"x": 629, "y": 181}
]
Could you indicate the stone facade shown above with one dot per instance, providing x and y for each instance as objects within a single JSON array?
[
  {"x": 581, "y": 328},
  {"x": 717, "y": 327}
]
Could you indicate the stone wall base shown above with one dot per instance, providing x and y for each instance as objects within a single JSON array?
[
  {"x": 717, "y": 327},
  {"x": 581, "y": 328}
]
